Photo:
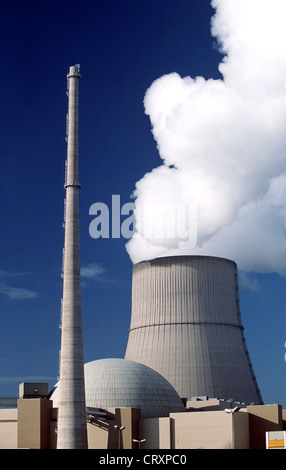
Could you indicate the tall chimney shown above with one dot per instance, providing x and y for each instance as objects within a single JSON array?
[{"x": 72, "y": 431}]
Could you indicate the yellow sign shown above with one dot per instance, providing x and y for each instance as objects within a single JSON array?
[{"x": 276, "y": 443}]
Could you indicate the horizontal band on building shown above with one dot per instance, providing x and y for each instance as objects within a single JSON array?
[
  {"x": 72, "y": 185},
  {"x": 188, "y": 323}
]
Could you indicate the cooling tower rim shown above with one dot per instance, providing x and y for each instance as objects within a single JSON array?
[{"x": 174, "y": 258}]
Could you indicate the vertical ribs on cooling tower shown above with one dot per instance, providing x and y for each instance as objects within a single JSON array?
[{"x": 186, "y": 325}]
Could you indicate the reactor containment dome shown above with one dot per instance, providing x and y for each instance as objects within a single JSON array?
[{"x": 121, "y": 383}]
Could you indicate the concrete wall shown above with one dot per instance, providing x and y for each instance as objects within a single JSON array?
[
  {"x": 98, "y": 435},
  {"x": 197, "y": 430},
  {"x": 102, "y": 434},
  {"x": 262, "y": 419},
  {"x": 8, "y": 429},
  {"x": 34, "y": 418},
  {"x": 207, "y": 405},
  {"x": 157, "y": 432},
  {"x": 34, "y": 424},
  {"x": 210, "y": 430}
]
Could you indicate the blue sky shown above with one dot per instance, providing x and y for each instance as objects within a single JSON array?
[{"x": 123, "y": 46}]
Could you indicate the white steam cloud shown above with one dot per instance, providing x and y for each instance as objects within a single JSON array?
[{"x": 223, "y": 145}]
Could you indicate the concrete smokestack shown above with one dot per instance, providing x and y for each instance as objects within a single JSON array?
[
  {"x": 186, "y": 325},
  {"x": 72, "y": 431}
]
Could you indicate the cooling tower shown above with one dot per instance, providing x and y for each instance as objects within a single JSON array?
[{"x": 186, "y": 325}]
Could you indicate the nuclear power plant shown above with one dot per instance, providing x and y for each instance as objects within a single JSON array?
[
  {"x": 186, "y": 325},
  {"x": 186, "y": 380}
]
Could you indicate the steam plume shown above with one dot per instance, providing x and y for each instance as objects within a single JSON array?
[{"x": 223, "y": 145}]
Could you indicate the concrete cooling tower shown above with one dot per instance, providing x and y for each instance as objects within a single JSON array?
[{"x": 186, "y": 325}]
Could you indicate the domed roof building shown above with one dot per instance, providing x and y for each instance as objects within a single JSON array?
[{"x": 121, "y": 383}]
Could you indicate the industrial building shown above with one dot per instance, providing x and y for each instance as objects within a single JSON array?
[{"x": 203, "y": 423}]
